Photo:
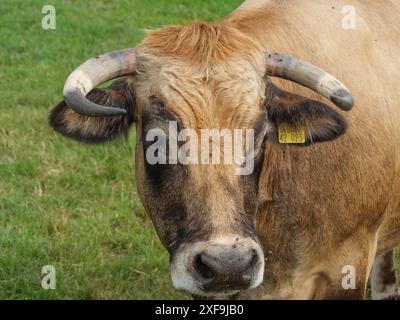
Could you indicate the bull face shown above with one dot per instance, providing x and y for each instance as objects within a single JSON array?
[
  {"x": 201, "y": 211},
  {"x": 199, "y": 77}
]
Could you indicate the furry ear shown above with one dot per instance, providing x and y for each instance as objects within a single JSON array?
[
  {"x": 97, "y": 129},
  {"x": 317, "y": 121}
]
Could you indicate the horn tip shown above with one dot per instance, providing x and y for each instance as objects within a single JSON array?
[
  {"x": 78, "y": 102},
  {"x": 343, "y": 99}
]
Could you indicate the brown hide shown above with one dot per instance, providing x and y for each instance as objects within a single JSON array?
[{"x": 321, "y": 207}]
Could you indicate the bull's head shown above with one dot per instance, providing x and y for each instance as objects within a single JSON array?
[{"x": 200, "y": 76}]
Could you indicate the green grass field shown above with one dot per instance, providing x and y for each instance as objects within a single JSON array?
[{"x": 63, "y": 203}]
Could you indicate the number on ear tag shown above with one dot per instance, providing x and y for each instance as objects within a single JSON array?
[{"x": 290, "y": 134}]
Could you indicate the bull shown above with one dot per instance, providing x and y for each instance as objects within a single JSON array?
[{"x": 307, "y": 211}]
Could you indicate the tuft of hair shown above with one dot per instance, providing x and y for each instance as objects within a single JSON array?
[{"x": 202, "y": 42}]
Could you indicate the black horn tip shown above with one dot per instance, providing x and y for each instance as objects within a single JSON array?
[
  {"x": 343, "y": 99},
  {"x": 78, "y": 102}
]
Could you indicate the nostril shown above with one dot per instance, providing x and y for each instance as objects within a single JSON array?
[{"x": 204, "y": 270}]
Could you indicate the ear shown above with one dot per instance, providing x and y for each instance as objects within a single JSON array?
[
  {"x": 97, "y": 129},
  {"x": 313, "y": 120}
]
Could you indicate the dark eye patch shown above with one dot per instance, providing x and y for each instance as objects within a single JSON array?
[{"x": 159, "y": 118}]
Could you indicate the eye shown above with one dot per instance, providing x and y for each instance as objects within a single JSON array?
[
  {"x": 155, "y": 146},
  {"x": 157, "y": 124}
]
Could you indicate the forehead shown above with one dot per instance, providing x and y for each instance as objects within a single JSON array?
[{"x": 200, "y": 80}]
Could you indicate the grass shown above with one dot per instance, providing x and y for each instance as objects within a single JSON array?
[{"x": 63, "y": 203}]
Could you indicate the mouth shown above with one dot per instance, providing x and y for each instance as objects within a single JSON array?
[{"x": 198, "y": 290}]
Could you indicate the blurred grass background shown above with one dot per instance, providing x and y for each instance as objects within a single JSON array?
[{"x": 63, "y": 203}]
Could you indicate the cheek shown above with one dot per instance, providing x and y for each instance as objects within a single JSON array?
[
  {"x": 149, "y": 198},
  {"x": 139, "y": 173},
  {"x": 162, "y": 200},
  {"x": 250, "y": 186}
]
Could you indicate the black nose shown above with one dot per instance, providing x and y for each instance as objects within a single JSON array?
[{"x": 229, "y": 269}]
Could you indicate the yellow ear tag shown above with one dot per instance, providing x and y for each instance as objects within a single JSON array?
[{"x": 290, "y": 134}]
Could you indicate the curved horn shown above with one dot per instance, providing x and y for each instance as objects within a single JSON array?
[
  {"x": 94, "y": 72},
  {"x": 310, "y": 76}
]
